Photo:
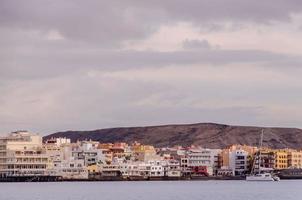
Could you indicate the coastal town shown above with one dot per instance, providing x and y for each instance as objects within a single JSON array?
[{"x": 24, "y": 156}]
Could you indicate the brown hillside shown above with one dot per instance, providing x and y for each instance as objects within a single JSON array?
[{"x": 205, "y": 134}]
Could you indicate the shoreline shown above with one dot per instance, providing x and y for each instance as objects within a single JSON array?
[{"x": 128, "y": 179}]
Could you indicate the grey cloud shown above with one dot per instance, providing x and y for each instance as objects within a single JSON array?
[
  {"x": 106, "y": 23},
  {"x": 44, "y": 84},
  {"x": 56, "y": 63},
  {"x": 95, "y": 21},
  {"x": 238, "y": 10},
  {"x": 196, "y": 44}
]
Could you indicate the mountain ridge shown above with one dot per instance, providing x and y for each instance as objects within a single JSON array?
[{"x": 208, "y": 135}]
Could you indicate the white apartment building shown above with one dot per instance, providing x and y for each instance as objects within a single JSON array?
[
  {"x": 156, "y": 168},
  {"x": 72, "y": 169},
  {"x": 130, "y": 170},
  {"x": 149, "y": 169},
  {"x": 239, "y": 161},
  {"x": 201, "y": 157},
  {"x": 171, "y": 168},
  {"x": 88, "y": 151}
]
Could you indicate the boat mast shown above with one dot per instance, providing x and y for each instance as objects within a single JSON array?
[{"x": 260, "y": 148}]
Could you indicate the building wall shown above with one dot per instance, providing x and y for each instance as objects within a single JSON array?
[
  {"x": 239, "y": 161},
  {"x": 22, "y": 153},
  {"x": 281, "y": 161},
  {"x": 295, "y": 159}
]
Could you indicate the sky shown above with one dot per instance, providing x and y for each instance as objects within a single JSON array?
[{"x": 84, "y": 65}]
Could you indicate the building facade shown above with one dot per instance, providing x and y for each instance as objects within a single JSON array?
[{"x": 22, "y": 154}]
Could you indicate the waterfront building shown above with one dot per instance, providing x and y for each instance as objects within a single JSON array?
[
  {"x": 225, "y": 153},
  {"x": 156, "y": 168},
  {"x": 184, "y": 162},
  {"x": 275, "y": 159},
  {"x": 130, "y": 170},
  {"x": 225, "y": 171},
  {"x": 238, "y": 158},
  {"x": 72, "y": 170},
  {"x": 171, "y": 168},
  {"x": 54, "y": 153},
  {"x": 267, "y": 160},
  {"x": 142, "y": 170},
  {"x": 110, "y": 170},
  {"x": 65, "y": 159},
  {"x": 239, "y": 161},
  {"x": 22, "y": 154},
  {"x": 294, "y": 159},
  {"x": 208, "y": 158},
  {"x": 281, "y": 161}
]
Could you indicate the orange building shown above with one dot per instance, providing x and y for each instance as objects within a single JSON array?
[{"x": 294, "y": 159}]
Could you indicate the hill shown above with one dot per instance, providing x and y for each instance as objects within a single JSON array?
[{"x": 208, "y": 135}]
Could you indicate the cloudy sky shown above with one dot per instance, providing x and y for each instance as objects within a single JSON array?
[{"x": 81, "y": 65}]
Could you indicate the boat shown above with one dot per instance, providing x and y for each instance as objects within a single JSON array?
[
  {"x": 262, "y": 177},
  {"x": 259, "y": 174}
]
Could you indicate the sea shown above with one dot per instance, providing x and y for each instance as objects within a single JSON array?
[{"x": 153, "y": 190}]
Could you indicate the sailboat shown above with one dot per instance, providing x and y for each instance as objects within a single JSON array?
[{"x": 259, "y": 175}]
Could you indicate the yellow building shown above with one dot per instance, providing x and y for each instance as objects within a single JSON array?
[
  {"x": 281, "y": 161},
  {"x": 93, "y": 169}
]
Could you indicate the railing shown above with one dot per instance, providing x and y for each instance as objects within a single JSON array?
[
  {"x": 27, "y": 163},
  {"x": 27, "y": 172}
]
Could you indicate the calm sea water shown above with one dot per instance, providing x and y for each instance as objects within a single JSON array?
[{"x": 157, "y": 190}]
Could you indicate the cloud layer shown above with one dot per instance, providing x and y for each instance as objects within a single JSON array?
[{"x": 94, "y": 64}]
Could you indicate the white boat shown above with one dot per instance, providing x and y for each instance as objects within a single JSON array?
[{"x": 260, "y": 175}]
